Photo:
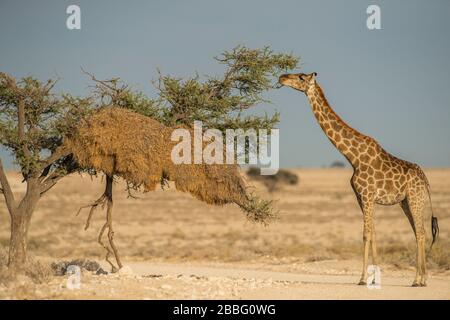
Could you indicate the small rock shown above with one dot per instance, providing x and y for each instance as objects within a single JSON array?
[
  {"x": 100, "y": 271},
  {"x": 126, "y": 271}
]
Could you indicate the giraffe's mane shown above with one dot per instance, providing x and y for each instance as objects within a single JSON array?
[{"x": 345, "y": 124}]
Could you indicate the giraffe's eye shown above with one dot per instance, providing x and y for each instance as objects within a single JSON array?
[{"x": 300, "y": 77}]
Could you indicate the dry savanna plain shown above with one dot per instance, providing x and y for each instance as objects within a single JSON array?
[{"x": 176, "y": 247}]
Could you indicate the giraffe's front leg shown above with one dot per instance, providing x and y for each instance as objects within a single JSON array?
[
  {"x": 367, "y": 207},
  {"x": 366, "y": 244},
  {"x": 374, "y": 246}
]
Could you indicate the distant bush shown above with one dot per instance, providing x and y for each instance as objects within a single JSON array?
[
  {"x": 272, "y": 182},
  {"x": 337, "y": 164}
]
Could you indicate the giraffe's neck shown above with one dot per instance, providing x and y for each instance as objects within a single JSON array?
[{"x": 346, "y": 139}]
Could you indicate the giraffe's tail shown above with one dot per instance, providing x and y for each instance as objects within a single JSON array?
[
  {"x": 434, "y": 230},
  {"x": 434, "y": 220}
]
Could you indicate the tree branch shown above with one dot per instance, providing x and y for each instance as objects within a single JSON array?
[
  {"x": 50, "y": 182},
  {"x": 6, "y": 189},
  {"x": 21, "y": 126},
  {"x": 105, "y": 83},
  {"x": 59, "y": 153},
  {"x": 50, "y": 85}
]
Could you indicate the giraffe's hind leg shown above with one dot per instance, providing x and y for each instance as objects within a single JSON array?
[
  {"x": 405, "y": 206},
  {"x": 413, "y": 207}
]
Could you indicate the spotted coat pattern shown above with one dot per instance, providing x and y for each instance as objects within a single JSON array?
[{"x": 378, "y": 177}]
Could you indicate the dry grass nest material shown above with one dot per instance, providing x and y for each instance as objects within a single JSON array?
[{"x": 138, "y": 149}]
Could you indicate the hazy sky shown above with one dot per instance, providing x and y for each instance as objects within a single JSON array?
[{"x": 392, "y": 84}]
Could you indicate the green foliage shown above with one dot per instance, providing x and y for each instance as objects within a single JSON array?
[
  {"x": 114, "y": 92},
  {"x": 220, "y": 102},
  {"x": 259, "y": 210},
  {"x": 46, "y": 118}
]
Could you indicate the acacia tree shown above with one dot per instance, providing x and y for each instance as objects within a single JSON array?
[{"x": 34, "y": 121}]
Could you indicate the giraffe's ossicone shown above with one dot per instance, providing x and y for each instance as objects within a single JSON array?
[{"x": 378, "y": 177}]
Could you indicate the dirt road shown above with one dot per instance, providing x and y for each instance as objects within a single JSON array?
[
  {"x": 288, "y": 285},
  {"x": 149, "y": 281}
]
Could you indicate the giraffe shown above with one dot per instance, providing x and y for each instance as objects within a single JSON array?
[{"x": 378, "y": 177}]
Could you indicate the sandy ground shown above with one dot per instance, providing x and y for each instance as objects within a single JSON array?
[{"x": 176, "y": 247}]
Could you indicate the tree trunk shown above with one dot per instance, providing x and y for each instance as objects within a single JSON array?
[{"x": 20, "y": 221}]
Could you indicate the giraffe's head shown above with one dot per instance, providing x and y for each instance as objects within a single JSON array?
[{"x": 298, "y": 81}]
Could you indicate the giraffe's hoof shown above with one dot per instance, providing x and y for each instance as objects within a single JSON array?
[
  {"x": 415, "y": 284},
  {"x": 423, "y": 284},
  {"x": 362, "y": 283}
]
